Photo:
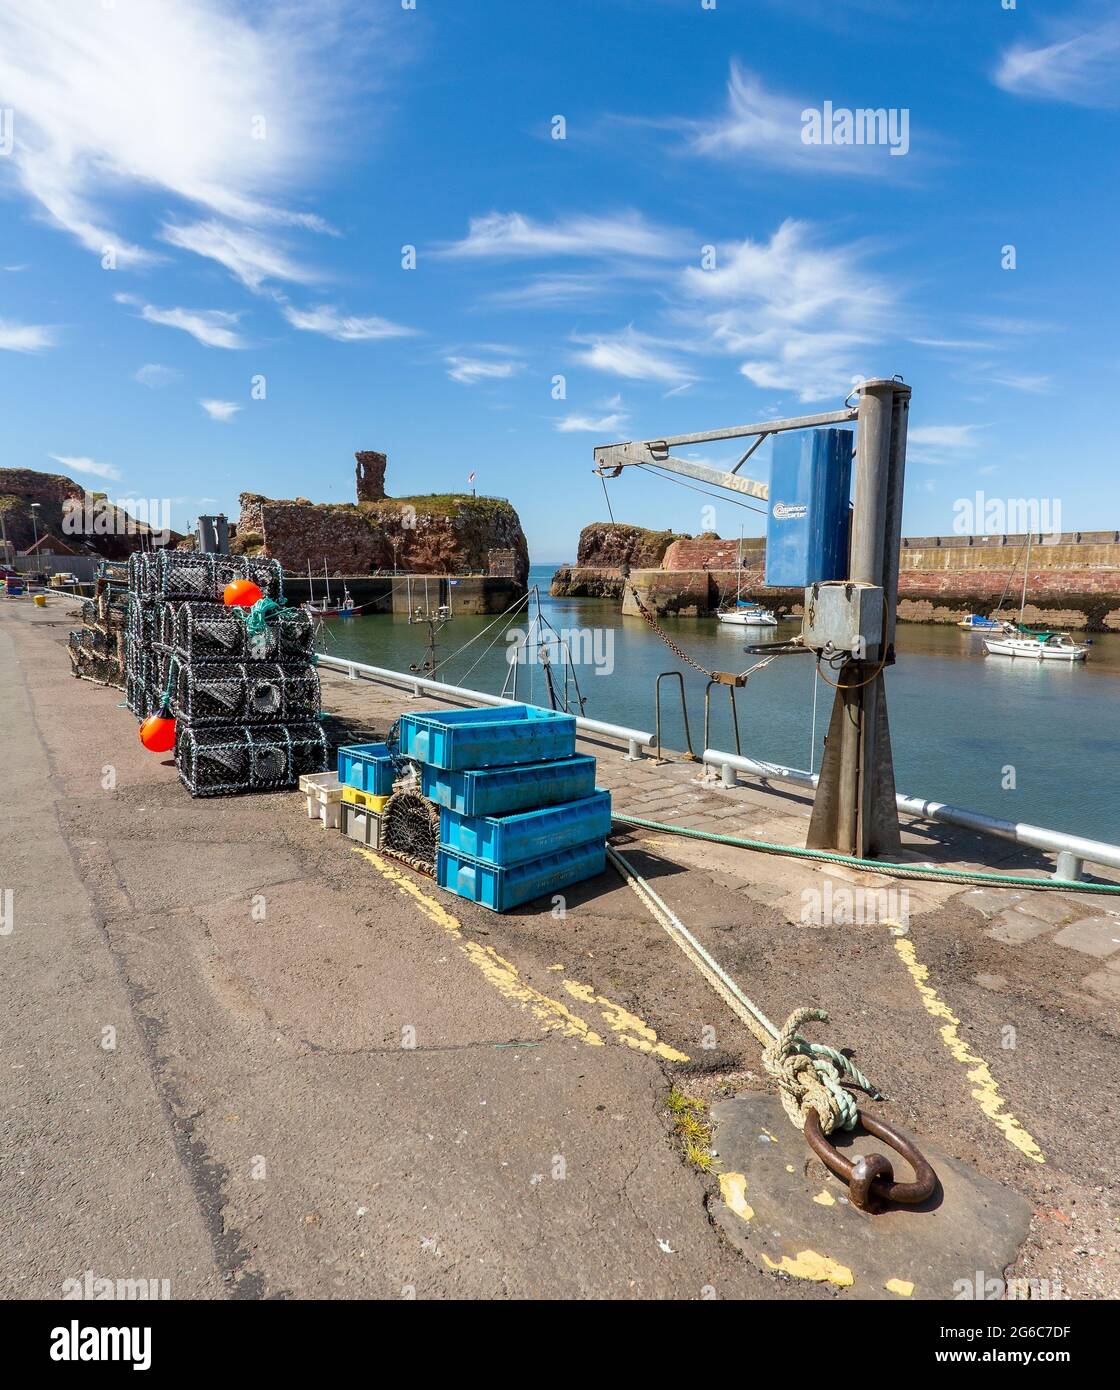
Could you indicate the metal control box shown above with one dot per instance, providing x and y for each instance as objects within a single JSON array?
[
  {"x": 844, "y": 617},
  {"x": 807, "y": 523}
]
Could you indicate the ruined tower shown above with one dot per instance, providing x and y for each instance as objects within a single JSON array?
[{"x": 369, "y": 474}]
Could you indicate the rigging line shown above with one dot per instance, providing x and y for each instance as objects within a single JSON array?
[
  {"x": 1011, "y": 573},
  {"x": 483, "y": 631},
  {"x": 607, "y": 496},
  {"x": 719, "y": 497},
  {"x": 483, "y": 655}
]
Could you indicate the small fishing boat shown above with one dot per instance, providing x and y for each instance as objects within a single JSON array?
[
  {"x": 324, "y": 608},
  {"x": 744, "y": 612},
  {"x": 976, "y": 623},
  {"x": 1037, "y": 646},
  {"x": 1018, "y": 640}
]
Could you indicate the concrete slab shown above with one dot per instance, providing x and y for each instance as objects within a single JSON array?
[
  {"x": 788, "y": 1214},
  {"x": 990, "y": 901},
  {"x": 1017, "y": 925},
  {"x": 1095, "y": 936},
  {"x": 1105, "y": 983},
  {"x": 1050, "y": 907}
]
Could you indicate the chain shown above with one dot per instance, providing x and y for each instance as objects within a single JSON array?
[{"x": 684, "y": 656}]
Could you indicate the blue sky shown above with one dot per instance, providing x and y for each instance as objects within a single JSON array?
[{"x": 199, "y": 195}]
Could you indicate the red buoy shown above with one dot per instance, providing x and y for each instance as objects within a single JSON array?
[
  {"x": 157, "y": 733},
  {"x": 242, "y": 593}
]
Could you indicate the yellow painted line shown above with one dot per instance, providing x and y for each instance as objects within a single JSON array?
[
  {"x": 903, "y": 1287},
  {"x": 733, "y": 1190},
  {"x": 554, "y": 1016},
  {"x": 985, "y": 1090},
  {"x": 625, "y": 1024},
  {"x": 807, "y": 1264}
]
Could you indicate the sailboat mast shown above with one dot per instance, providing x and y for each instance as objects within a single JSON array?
[
  {"x": 327, "y": 577},
  {"x": 310, "y": 583},
  {"x": 1026, "y": 566}
]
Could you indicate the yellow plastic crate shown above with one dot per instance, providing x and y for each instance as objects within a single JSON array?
[{"x": 366, "y": 800}]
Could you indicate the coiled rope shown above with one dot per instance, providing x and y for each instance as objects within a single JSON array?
[{"x": 809, "y": 1075}]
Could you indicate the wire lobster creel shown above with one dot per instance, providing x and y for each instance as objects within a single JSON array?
[
  {"x": 183, "y": 575},
  {"x": 410, "y": 830},
  {"x": 213, "y": 632},
  {"x": 227, "y": 760},
  {"x": 253, "y": 692}
]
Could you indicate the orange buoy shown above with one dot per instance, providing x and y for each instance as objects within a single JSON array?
[
  {"x": 242, "y": 593},
  {"x": 157, "y": 733}
]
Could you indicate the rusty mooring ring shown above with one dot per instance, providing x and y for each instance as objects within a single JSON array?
[{"x": 871, "y": 1178}]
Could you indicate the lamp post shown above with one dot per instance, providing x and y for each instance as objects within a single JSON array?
[{"x": 34, "y": 525}]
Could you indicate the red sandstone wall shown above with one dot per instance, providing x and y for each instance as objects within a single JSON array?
[{"x": 712, "y": 554}]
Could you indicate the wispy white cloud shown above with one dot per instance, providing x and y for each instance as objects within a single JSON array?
[
  {"x": 471, "y": 370},
  {"x": 346, "y": 328},
  {"x": 546, "y": 291},
  {"x": 222, "y": 411},
  {"x": 211, "y": 327},
  {"x": 1081, "y": 65},
  {"x": 25, "y": 337},
  {"x": 585, "y": 424},
  {"x": 1033, "y": 383},
  {"x": 154, "y": 375},
  {"x": 220, "y": 109},
  {"x": 940, "y": 444},
  {"x": 249, "y": 256},
  {"x": 802, "y": 316},
  {"x": 762, "y": 126},
  {"x": 509, "y": 234},
  {"x": 77, "y": 463},
  {"x": 631, "y": 354}
]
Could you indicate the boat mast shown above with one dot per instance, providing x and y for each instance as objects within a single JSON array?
[
  {"x": 1026, "y": 566},
  {"x": 327, "y": 577},
  {"x": 310, "y": 584}
]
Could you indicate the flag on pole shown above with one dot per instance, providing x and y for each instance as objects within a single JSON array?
[{"x": 471, "y": 477}]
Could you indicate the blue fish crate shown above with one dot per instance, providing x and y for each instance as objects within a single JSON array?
[
  {"x": 503, "y": 736},
  {"x": 507, "y": 840},
  {"x": 368, "y": 767},
  {"x": 502, "y": 889},
  {"x": 496, "y": 791}
]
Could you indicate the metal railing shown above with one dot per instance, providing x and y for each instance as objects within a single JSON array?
[
  {"x": 1072, "y": 851},
  {"x": 635, "y": 739}
]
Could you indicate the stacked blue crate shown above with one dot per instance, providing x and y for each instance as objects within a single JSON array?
[{"x": 520, "y": 816}]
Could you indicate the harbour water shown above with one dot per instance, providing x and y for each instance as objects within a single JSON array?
[{"x": 1027, "y": 741}]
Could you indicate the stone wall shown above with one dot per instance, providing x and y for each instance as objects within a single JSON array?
[
  {"x": 1074, "y": 582},
  {"x": 442, "y": 533},
  {"x": 711, "y": 553}
]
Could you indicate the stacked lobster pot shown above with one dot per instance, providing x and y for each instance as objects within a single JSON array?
[
  {"x": 240, "y": 683},
  {"x": 97, "y": 648}
]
